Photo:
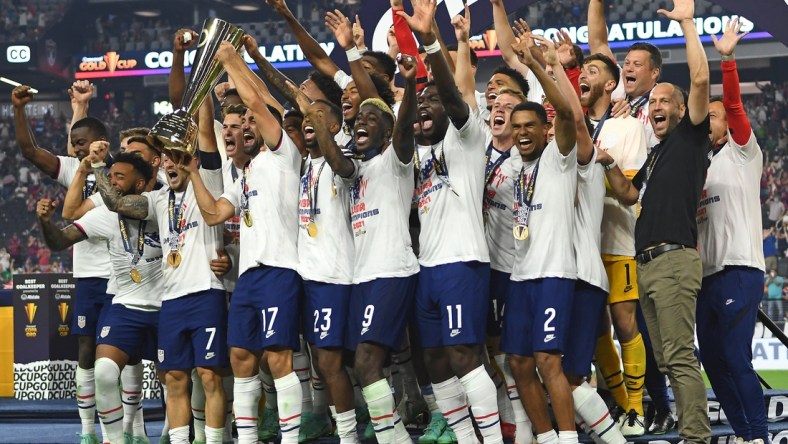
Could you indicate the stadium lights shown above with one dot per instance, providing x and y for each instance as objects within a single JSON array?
[{"x": 247, "y": 7}]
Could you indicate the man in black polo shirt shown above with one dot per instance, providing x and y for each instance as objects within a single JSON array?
[{"x": 668, "y": 188}]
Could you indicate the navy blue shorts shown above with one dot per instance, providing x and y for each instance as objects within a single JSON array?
[
  {"x": 499, "y": 289},
  {"x": 379, "y": 311},
  {"x": 451, "y": 304},
  {"x": 537, "y": 316},
  {"x": 326, "y": 313},
  {"x": 133, "y": 331},
  {"x": 587, "y": 308},
  {"x": 193, "y": 331},
  {"x": 91, "y": 303},
  {"x": 264, "y": 310}
]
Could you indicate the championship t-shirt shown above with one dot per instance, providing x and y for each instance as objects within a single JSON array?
[
  {"x": 91, "y": 257},
  {"x": 450, "y": 182},
  {"x": 497, "y": 207},
  {"x": 548, "y": 251},
  {"x": 729, "y": 216},
  {"x": 271, "y": 186},
  {"x": 588, "y": 220},
  {"x": 124, "y": 245},
  {"x": 232, "y": 227}
]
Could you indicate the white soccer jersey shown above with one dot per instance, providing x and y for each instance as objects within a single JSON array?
[
  {"x": 729, "y": 214},
  {"x": 535, "y": 90},
  {"x": 101, "y": 223},
  {"x": 497, "y": 208},
  {"x": 198, "y": 242},
  {"x": 272, "y": 182},
  {"x": 380, "y": 195},
  {"x": 328, "y": 256},
  {"x": 232, "y": 227},
  {"x": 91, "y": 257},
  {"x": 625, "y": 140},
  {"x": 548, "y": 251},
  {"x": 453, "y": 197},
  {"x": 588, "y": 220}
]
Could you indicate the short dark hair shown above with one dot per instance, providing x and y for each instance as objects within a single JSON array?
[
  {"x": 531, "y": 106},
  {"x": 656, "y": 55},
  {"x": 133, "y": 132},
  {"x": 715, "y": 99},
  {"x": 137, "y": 162},
  {"x": 474, "y": 57},
  {"x": 327, "y": 86},
  {"x": 235, "y": 108},
  {"x": 610, "y": 65},
  {"x": 514, "y": 75},
  {"x": 384, "y": 89},
  {"x": 332, "y": 109},
  {"x": 92, "y": 124},
  {"x": 151, "y": 142},
  {"x": 579, "y": 56},
  {"x": 294, "y": 113},
  {"x": 232, "y": 92},
  {"x": 384, "y": 60}
]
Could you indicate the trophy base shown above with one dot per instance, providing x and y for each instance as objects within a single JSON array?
[{"x": 178, "y": 132}]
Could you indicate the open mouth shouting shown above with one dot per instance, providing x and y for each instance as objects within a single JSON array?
[
  {"x": 309, "y": 134},
  {"x": 362, "y": 136},
  {"x": 347, "y": 109}
]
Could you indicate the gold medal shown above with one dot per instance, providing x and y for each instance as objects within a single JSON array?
[
  {"x": 311, "y": 229},
  {"x": 135, "y": 275},
  {"x": 520, "y": 232},
  {"x": 247, "y": 218},
  {"x": 174, "y": 259}
]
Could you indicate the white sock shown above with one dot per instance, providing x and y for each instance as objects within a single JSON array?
[
  {"x": 346, "y": 427},
  {"x": 179, "y": 435},
  {"x": 288, "y": 392},
  {"x": 270, "y": 390},
  {"x": 429, "y": 398},
  {"x": 593, "y": 410},
  {"x": 166, "y": 426},
  {"x": 567, "y": 437},
  {"x": 246, "y": 392},
  {"x": 382, "y": 412},
  {"x": 86, "y": 399},
  {"x": 524, "y": 434},
  {"x": 198, "y": 406},
  {"x": 131, "y": 394},
  {"x": 214, "y": 436},
  {"x": 108, "y": 402},
  {"x": 547, "y": 437},
  {"x": 587, "y": 430},
  {"x": 227, "y": 382},
  {"x": 450, "y": 397},
  {"x": 301, "y": 368},
  {"x": 481, "y": 394}
]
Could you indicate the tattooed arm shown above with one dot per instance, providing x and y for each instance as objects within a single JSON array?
[
  {"x": 133, "y": 206},
  {"x": 55, "y": 238}
]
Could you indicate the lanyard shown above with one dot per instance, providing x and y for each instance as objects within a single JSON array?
[
  {"x": 438, "y": 163},
  {"x": 364, "y": 155},
  {"x": 655, "y": 153},
  {"x": 124, "y": 233},
  {"x": 637, "y": 104},
  {"x": 599, "y": 125},
  {"x": 525, "y": 196},
  {"x": 245, "y": 188},
  {"x": 175, "y": 218},
  {"x": 311, "y": 190},
  {"x": 234, "y": 172},
  {"x": 490, "y": 167}
]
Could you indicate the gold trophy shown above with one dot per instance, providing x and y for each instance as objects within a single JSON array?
[{"x": 177, "y": 131}]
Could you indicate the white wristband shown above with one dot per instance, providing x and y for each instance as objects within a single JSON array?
[
  {"x": 611, "y": 165},
  {"x": 353, "y": 54},
  {"x": 97, "y": 165},
  {"x": 433, "y": 47}
]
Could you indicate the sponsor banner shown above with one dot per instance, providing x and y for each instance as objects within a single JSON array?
[
  {"x": 146, "y": 63},
  {"x": 56, "y": 379}
]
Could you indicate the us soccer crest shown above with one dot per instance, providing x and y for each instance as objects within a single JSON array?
[
  {"x": 161, "y": 355},
  {"x": 105, "y": 331},
  {"x": 81, "y": 321}
]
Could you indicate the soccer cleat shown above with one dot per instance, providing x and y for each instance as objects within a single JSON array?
[
  {"x": 739, "y": 440},
  {"x": 663, "y": 423},
  {"x": 619, "y": 415},
  {"x": 313, "y": 427},
  {"x": 268, "y": 425},
  {"x": 757, "y": 441},
  {"x": 410, "y": 410},
  {"x": 632, "y": 425},
  {"x": 369, "y": 432},
  {"x": 434, "y": 429},
  {"x": 140, "y": 440},
  {"x": 88, "y": 438},
  {"x": 447, "y": 437},
  {"x": 508, "y": 430}
]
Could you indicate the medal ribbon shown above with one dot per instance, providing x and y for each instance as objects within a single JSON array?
[
  {"x": 489, "y": 169},
  {"x": 175, "y": 219},
  {"x": 655, "y": 152},
  {"x": 637, "y": 104},
  {"x": 245, "y": 188},
  {"x": 601, "y": 123},
  {"x": 524, "y": 196},
  {"x": 438, "y": 163},
  {"x": 124, "y": 233},
  {"x": 311, "y": 190}
]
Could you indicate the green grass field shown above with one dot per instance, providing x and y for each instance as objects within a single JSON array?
[{"x": 778, "y": 379}]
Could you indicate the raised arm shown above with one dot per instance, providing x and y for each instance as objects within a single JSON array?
[
  {"x": 421, "y": 23},
  {"x": 206, "y": 137},
  {"x": 184, "y": 39},
  {"x": 272, "y": 76},
  {"x": 404, "y": 40},
  {"x": 214, "y": 211},
  {"x": 343, "y": 31},
  {"x": 597, "y": 29},
  {"x": 623, "y": 188},
  {"x": 55, "y": 238},
  {"x": 74, "y": 206},
  {"x": 80, "y": 94},
  {"x": 565, "y": 133},
  {"x": 698, "y": 102},
  {"x": 310, "y": 47},
  {"x": 463, "y": 73},
  {"x": 270, "y": 127},
  {"x": 43, "y": 159},
  {"x": 403, "y": 138},
  {"x": 250, "y": 44},
  {"x": 506, "y": 37},
  {"x": 738, "y": 123}
]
